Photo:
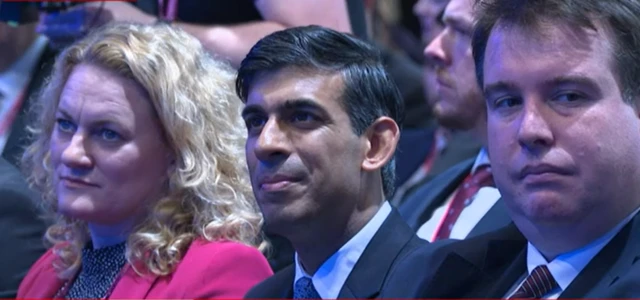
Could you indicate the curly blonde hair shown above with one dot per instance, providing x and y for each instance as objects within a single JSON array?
[{"x": 209, "y": 194}]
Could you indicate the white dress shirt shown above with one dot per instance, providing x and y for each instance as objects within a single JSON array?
[
  {"x": 333, "y": 273},
  {"x": 13, "y": 86},
  {"x": 482, "y": 201},
  {"x": 566, "y": 267}
]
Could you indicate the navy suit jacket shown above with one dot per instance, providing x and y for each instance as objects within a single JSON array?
[
  {"x": 21, "y": 229},
  {"x": 415, "y": 145},
  {"x": 419, "y": 207},
  {"x": 487, "y": 266},
  {"x": 393, "y": 243},
  {"x": 18, "y": 137}
]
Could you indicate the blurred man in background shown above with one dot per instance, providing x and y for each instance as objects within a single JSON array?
[
  {"x": 227, "y": 28},
  {"x": 25, "y": 61},
  {"x": 462, "y": 200},
  {"x": 436, "y": 150}
]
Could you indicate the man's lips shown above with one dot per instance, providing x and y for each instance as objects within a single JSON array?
[
  {"x": 539, "y": 170},
  {"x": 276, "y": 182}
]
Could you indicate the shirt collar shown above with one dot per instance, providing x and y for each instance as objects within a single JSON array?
[
  {"x": 566, "y": 267},
  {"x": 481, "y": 160},
  {"x": 441, "y": 138},
  {"x": 333, "y": 273}
]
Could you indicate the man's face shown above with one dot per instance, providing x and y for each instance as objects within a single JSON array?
[
  {"x": 429, "y": 13},
  {"x": 303, "y": 155},
  {"x": 459, "y": 104},
  {"x": 564, "y": 145}
]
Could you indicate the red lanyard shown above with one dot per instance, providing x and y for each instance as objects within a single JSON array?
[{"x": 169, "y": 11}]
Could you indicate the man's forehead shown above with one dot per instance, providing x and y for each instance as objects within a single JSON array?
[
  {"x": 561, "y": 52},
  {"x": 276, "y": 88},
  {"x": 437, "y": 3},
  {"x": 547, "y": 37},
  {"x": 459, "y": 11}
]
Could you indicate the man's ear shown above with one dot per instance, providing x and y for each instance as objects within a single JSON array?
[{"x": 382, "y": 137}]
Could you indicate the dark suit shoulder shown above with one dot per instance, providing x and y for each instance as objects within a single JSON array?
[
  {"x": 21, "y": 226},
  {"x": 280, "y": 285},
  {"x": 455, "y": 173},
  {"x": 415, "y": 269},
  {"x": 440, "y": 269}
]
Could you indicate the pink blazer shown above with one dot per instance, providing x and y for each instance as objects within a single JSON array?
[{"x": 208, "y": 270}]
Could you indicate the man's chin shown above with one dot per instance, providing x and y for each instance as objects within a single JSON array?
[{"x": 451, "y": 120}]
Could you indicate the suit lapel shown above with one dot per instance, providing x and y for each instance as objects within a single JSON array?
[
  {"x": 132, "y": 285},
  {"x": 419, "y": 207},
  {"x": 16, "y": 140},
  {"x": 485, "y": 266},
  {"x": 461, "y": 146},
  {"x": 497, "y": 217},
  {"x": 280, "y": 285},
  {"x": 286, "y": 291},
  {"x": 49, "y": 285},
  {"x": 368, "y": 275},
  {"x": 508, "y": 272},
  {"x": 613, "y": 261},
  {"x": 503, "y": 262},
  {"x": 453, "y": 277}
]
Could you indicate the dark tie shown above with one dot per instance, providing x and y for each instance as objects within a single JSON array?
[
  {"x": 539, "y": 283},
  {"x": 470, "y": 186},
  {"x": 304, "y": 289}
]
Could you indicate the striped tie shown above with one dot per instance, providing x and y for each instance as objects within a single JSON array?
[{"x": 539, "y": 283}]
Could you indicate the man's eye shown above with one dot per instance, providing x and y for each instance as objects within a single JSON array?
[
  {"x": 568, "y": 97},
  {"x": 254, "y": 122},
  {"x": 507, "y": 102},
  {"x": 303, "y": 117}
]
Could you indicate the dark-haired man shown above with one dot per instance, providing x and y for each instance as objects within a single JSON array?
[
  {"x": 559, "y": 80},
  {"x": 323, "y": 121}
]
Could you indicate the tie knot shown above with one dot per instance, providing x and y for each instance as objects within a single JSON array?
[
  {"x": 304, "y": 289},
  {"x": 539, "y": 283}
]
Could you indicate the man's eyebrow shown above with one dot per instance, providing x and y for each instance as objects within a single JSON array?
[
  {"x": 499, "y": 87},
  {"x": 456, "y": 21},
  {"x": 509, "y": 87},
  {"x": 301, "y": 103},
  {"x": 251, "y": 109},
  {"x": 288, "y": 105},
  {"x": 577, "y": 79}
]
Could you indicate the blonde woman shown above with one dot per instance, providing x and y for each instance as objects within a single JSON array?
[{"x": 138, "y": 150}]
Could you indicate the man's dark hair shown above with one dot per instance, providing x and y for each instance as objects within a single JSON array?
[
  {"x": 369, "y": 92},
  {"x": 620, "y": 18}
]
